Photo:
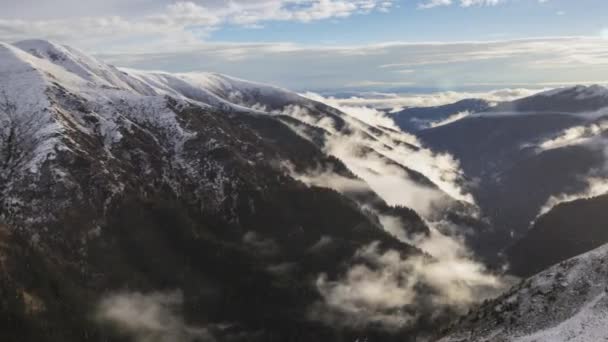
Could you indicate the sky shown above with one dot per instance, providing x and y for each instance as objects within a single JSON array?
[{"x": 335, "y": 45}]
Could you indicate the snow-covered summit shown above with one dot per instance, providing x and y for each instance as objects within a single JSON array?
[
  {"x": 83, "y": 73},
  {"x": 71, "y": 60}
]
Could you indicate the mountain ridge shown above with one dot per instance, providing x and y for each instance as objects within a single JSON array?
[
  {"x": 231, "y": 193},
  {"x": 528, "y": 312}
]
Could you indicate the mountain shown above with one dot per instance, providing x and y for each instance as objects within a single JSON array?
[
  {"x": 577, "y": 99},
  {"x": 518, "y": 160},
  {"x": 567, "y": 302},
  {"x": 419, "y": 118},
  {"x": 196, "y": 207},
  {"x": 567, "y": 230},
  {"x": 150, "y": 206}
]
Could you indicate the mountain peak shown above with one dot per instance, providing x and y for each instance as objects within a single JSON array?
[
  {"x": 22, "y": 81},
  {"x": 72, "y": 60},
  {"x": 37, "y": 44}
]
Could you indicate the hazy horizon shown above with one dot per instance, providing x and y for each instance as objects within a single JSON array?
[{"x": 331, "y": 45}]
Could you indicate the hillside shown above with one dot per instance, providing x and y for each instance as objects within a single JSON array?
[
  {"x": 567, "y": 302},
  {"x": 200, "y": 207}
]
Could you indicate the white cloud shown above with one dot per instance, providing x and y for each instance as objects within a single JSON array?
[
  {"x": 596, "y": 186},
  {"x": 577, "y": 135},
  {"x": 468, "y": 3},
  {"x": 179, "y": 22},
  {"x": 391, "y": 290},
  {"x": 434, "y": 3},
  {"x": 450, "y": 119},
  {"x": 383, "y": 161},
  {"x": 150, "y": 317},
  {"x": 464, "y": 3},
  {"x": 369, "y": 115},
  {"x": 591, "y": 136},
  {"x": 329, "y": 179},
  {"x": 386, "y": 288},
  {"x": 398, "y": 101}
]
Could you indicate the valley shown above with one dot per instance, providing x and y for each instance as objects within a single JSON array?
[{"x": 154, "y": 206}]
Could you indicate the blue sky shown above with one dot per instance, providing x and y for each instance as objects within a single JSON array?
[
  {"x": 383, "y": 45},
  {"x": 407, "y": 22}
]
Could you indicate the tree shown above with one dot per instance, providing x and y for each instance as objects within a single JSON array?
[{"x": 19, "y": 137}]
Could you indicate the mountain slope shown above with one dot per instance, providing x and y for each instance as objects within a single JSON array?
[
  {"x": 567, "y": 302},
  {"x": 419, "y": 118},
  {"x": 219, "y": 203},
  {"x": 508, "y": 150},
  {"x": 567, "y": 230},
  {"x": 577, "y": 99},
  {"x": 115, "y": 185}
]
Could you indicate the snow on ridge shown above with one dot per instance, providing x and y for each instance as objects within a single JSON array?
[
  {"x": 78, "y": 63},
  {"x": 593, "y": 91},
  {"x": 580, "y": 278},
  {"x": 31, "y": 68},
  {"x": 205, "y": 88},
  {"x": 24, "y": 106},
  {"x": 38, "y": 79},
  {"x": 20, "y": 80},
  {"x": 225, "y": 83},
  {"x": 218, "y": 90},
  {"x": 117, "y": 102},
  {"x": 58, "y": 55},
  {"x": 582, "y": 92},
  {"x": 566, "y": 302},
  {"x": 175, "y": 85},
  {"x": 244, "y": 93}
]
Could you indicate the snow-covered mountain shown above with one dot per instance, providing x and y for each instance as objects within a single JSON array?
[
  {"x": 567, "y": 302},
  {"x": 255, "y": 204},
  {"x": 237, "y": 211},
  {"x": 49, "y": 80}
]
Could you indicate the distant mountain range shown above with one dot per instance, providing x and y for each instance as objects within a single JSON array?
[
  {"x": 418, "y": 118},
  {"x": 524, "y": 155}
]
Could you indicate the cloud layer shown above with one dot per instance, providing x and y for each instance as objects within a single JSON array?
[
  {"x": 470, "y": 66},
  {"x": 394, "y": 291},
  {"x": 386, "y": 160},
  {"x": 365, "y": 102},
  {"x": 592, "y": 136}
]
